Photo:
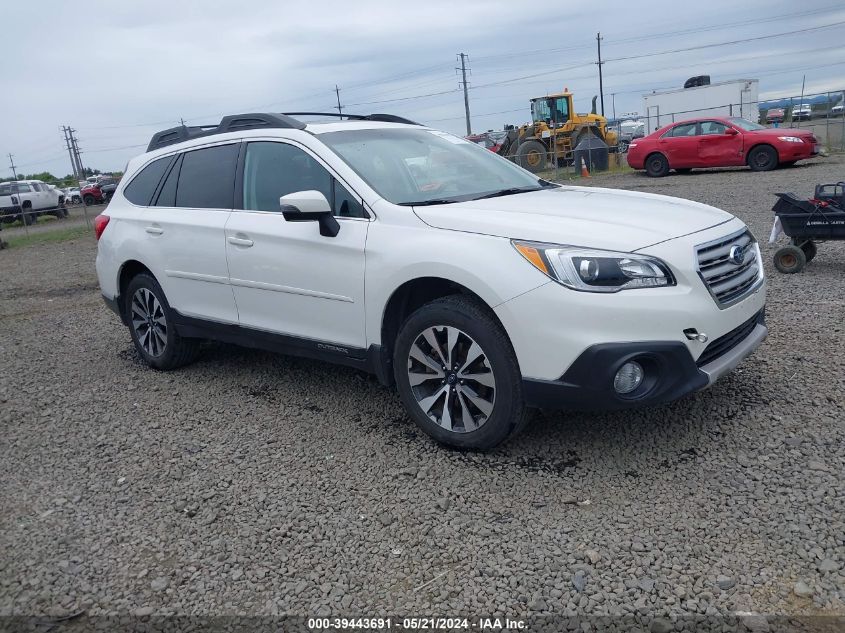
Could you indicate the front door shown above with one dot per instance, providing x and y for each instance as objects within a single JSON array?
[
  {"x": 719, "y": 145},
  {"x": 680, "y": 145},
  {"x": 286, "y": 277}
]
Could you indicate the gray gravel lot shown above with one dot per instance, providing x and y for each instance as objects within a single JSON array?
[{"x": 250, "y": 483}]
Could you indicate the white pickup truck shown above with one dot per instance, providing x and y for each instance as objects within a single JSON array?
[{"x": 27, "y": 199}]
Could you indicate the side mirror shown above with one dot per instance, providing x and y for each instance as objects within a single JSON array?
[
  {"x": 730, "y": 131},
  {"x": 310, "y": 206}
]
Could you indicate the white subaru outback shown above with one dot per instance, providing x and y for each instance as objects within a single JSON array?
[{"x": 473, "y": 286}]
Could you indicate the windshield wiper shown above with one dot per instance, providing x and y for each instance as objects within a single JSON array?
[
  {"x": 425, "y": 203},
  {"x": 508, "y": 192}
]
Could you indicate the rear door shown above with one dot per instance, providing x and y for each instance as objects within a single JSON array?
[
  {"x": 183, "y": 228},
  {"x": 680, "y": 145},
  {"x": 719, "y": 145},
  {"x": 286, "y": 277}
]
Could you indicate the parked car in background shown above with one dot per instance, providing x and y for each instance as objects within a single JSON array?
[
  {"x": 107, "y": 188},
  {"x": 73, "y": 195},
  {"x": 802, "y": 112},
  {"x": 837, "y": 110},
  {"x": 472, "y": 285},
  {"x": 91, "y": 194},
  {"x": 720, "y": 142},
  {"x": 27, "y": 199},
  {"x": 775, "y": 115}
]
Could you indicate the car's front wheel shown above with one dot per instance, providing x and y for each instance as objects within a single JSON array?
[
  {"x": 151, "y": 326},
  {"x": 763, "y": 158},
  {"x": 457, "y": 374}
]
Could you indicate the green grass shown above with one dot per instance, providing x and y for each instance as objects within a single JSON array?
[{"x": 47, "y": 237}]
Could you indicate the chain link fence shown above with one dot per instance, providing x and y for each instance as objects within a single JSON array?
[{"x": 22, "y": 213}]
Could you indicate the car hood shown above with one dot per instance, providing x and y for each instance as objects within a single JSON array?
[
  {"x": 610, "y": 219},
  {"x": 782, "y": 131}
]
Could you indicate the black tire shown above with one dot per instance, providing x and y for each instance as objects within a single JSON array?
[
  {"x": 763, "y": 158},
  {"x": 177, "y": 351},
  {"x": 810, "y": 249},
  {"x": 656, "y": 165},
  {"x": 683, "y": 170},
  {"x": 508, "y": 414},
  {"x": 88, "y": 199},
  {"x": 790, "y": 259},
  {"x": 531, "y": 155},
  {"x": 622, "y": 147}
]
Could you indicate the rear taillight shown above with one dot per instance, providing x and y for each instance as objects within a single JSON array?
[{"x": 100, "y": 224}]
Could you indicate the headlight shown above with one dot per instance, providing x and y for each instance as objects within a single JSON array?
[
  {"x": 790, "y": 139},
  {"x": 593, "y": 270},
  {"x": 630, "y": 145}
]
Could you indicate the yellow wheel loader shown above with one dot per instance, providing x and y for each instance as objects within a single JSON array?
[{"x": 554, "y": 132}]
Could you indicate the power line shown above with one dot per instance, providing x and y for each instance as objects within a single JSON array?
[{"x": 729, "y": 43}]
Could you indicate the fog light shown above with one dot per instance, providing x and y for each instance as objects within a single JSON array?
[{"x": 629, "y": 377}]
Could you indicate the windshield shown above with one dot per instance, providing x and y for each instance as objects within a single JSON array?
[
  {"x": 746, "y": 125},
  {"x": 419, "y": 166}
]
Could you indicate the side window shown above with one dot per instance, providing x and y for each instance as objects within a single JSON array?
[
  {"x": 167, "y": 195},
  {"x": 713, "y": 127},
  {"x": 140, "y": 191},
  {"x": 272, "y": 170},
  {"x": 688, "y": 129},
  {"x": 36, "y": 187},
  {"x": 207, "y": 178},
  {"x": 24, "y": 188}
]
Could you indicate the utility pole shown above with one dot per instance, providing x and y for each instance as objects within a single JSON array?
[
  {"x": 601, "y": 86},
  {"x": 801, "y": 103},
  {"x": 613, "y": 100},
  {"x": 70, "y": 153},
  {"x": 182, "y": 121},
  {"x": 76, "y": 153},
  {"x": 12, "y": 164},
  {"x": 339, "y": 107},
  {"x": 464, "y": 57}
]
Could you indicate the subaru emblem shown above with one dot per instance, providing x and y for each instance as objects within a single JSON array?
[{"x": 737, "y": 254}]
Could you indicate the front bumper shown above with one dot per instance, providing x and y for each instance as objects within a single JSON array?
[{"x": 670, "y": 371}]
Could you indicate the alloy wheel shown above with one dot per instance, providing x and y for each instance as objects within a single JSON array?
[
  {"x": 149, "y": 322},
  {"x": 451, "y": 379}
]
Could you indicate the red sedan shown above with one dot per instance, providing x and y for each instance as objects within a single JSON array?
[{"x": 719, "y": 142}]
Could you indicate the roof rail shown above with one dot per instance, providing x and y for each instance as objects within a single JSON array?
[
  {"x": 254, "y": 121},
  {"x": 231, "y": 123},
  {"x": 385, "y": 118}
]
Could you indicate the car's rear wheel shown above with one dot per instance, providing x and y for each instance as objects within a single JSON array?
[
  {"x": 457, "y": 374},
  {"x": 88, "y": 200},
  {"x": 151, "y": 325},
  {"x": 790, "y": 259},
  {"x": 656, "y": 166},
  {"x": 763, "y": 158}
]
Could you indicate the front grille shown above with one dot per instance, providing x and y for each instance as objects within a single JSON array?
[
  {"x": 727, "y": 280},
  {"x": 727, "y": 342}
]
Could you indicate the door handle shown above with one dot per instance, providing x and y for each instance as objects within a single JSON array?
[
  {"x": 154, "y": 230},
  {"x": 240, "y": 241}
]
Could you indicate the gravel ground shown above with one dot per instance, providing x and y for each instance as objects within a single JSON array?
[{"x": 250, "y": 483}]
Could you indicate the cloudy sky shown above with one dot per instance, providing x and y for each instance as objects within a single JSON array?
[{"x": 119, "y": 71}]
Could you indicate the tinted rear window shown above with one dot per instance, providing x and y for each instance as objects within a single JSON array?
[
  {"x": 140, "y": 190},
  {"x": 207, "y": 178}
]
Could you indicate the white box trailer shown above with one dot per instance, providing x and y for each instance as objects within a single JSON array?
[{"x": 726, "y": 98}]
